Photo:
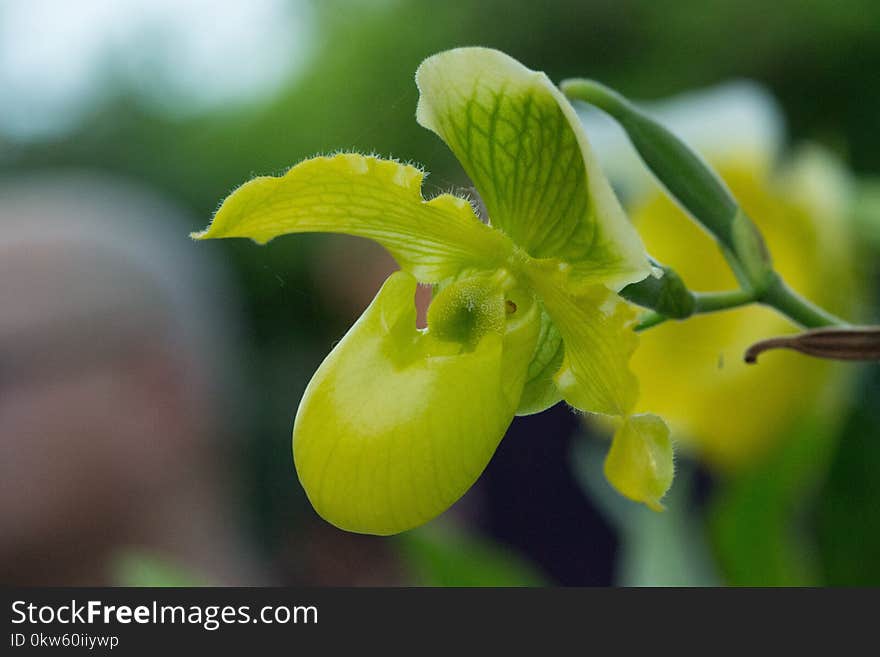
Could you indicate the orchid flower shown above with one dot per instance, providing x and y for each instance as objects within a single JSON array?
[{"x": 398, "y": 422}]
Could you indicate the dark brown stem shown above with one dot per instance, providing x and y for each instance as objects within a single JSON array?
[{"x": 855, "y": 344}]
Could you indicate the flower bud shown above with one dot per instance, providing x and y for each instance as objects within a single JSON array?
[{"x": 687, "y": 178}]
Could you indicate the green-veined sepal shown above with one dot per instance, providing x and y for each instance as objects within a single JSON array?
[
  {"x": 367, "y": 197},
  {"x": 525, "y": 150}
]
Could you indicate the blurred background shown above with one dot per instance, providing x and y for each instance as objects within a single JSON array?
[{"x": 148, "y": 384}]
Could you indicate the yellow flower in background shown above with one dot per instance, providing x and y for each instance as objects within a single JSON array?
[{"x": 692, "y": 372}]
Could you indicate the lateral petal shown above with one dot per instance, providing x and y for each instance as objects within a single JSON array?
[{"x": 367, "y": 197}]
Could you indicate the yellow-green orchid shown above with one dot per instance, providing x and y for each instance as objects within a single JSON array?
[{"x": 398, "y": 422}]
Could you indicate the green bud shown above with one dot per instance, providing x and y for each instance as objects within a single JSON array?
[
  {"x": 687, "y": 178},
  {"x": 665, "y": 293}
]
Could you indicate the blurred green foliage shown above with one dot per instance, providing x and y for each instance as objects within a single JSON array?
[
  {"x": 142, "y": 569},
  {"x": 441, "y": 555},
  {"x": 847, "y": 515}
]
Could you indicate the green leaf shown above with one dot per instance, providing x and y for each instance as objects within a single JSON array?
[
  {"x": 525, "y": 150},
  {"x": 441, "y": 555},
  {"x": 398, "y": 423},
  {"x": 133, "y": 567},
  {"x": 762, "y": 519},
  {"x": 847, "y": 522},
  {"x": 368, "y": 197}
]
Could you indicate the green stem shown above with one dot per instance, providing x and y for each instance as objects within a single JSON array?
[
  {"x": 704, "y": 302},
  {"x": 777, "y": 296},
  {"x": 798, "y": 309},
  {"x": 712, "y": 301},
  {"x": 649, "y": 320}
]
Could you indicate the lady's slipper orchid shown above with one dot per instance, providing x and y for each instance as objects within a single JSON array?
[{"x": 398, "y": 422}]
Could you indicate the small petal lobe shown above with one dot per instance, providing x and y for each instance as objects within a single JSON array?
[{"x": 640, "y": 464}]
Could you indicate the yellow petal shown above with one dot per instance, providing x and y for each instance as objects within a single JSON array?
[
  {"x": 367, "y": 197},
  {"x": 639, "y": 464},
  {"x": 595, "y": 325}
]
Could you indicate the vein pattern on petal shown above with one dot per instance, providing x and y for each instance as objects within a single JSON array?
[{"x": 524, "y": 148}]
